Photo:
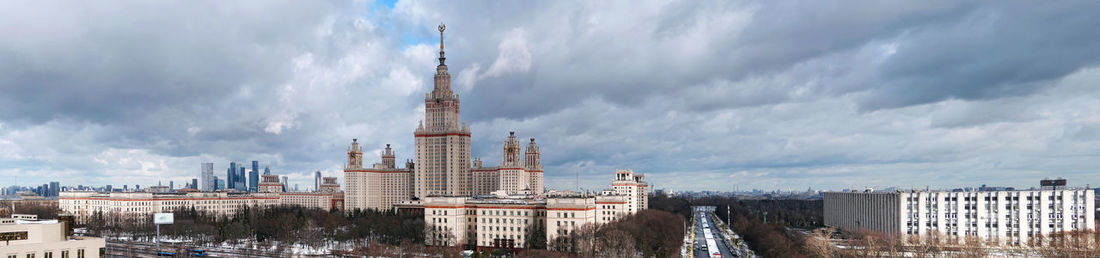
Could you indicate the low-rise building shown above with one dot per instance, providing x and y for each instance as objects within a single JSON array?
[
  {"x": 25, "y": 236},
  {"x": 509, "y": 220}
]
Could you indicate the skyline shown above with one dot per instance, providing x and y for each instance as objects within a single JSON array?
[{"x": 696, "y": 95}]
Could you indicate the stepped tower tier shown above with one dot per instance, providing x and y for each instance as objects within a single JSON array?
[{"x": 442, "y": 140}]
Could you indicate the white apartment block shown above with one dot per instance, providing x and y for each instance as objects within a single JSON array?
[
  {"x": 507, "y": 219},
  {"x": 1009, "y": 217},
  {"x": 29, "y": 237}
]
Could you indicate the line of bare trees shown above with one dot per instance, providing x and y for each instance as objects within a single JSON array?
[
  {"x": 266, "y": 226},
  {"x": 823, "y": 243},
  {"x": 648, "y": 233},
  {"x": 45, "y": 209}
]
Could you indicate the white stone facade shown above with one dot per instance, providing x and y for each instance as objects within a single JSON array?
[
  {"x": 1010, "y": 217},
  {"x": 505, "y": 219}
]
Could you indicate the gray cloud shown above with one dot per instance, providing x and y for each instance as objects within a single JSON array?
[{"x": 701, "y": 95}]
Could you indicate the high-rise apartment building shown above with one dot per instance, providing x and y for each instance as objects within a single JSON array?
[{"x": 208, "y": 177}]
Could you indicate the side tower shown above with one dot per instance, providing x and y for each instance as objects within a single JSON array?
[
  {"x": 533, "y": 164},
  {"x": 355, "y": 156},
  {"x": 513, "y": 176},
  {"x": 442, "y": 140},
  {"x": 378, "y": 187}
]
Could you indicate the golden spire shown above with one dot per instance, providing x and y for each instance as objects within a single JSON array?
[{"x": 441, "y": 56}]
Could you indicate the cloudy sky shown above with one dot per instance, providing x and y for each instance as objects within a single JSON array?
[{"x": 700, "y": 95}]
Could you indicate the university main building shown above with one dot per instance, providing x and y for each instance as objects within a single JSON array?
[{"x": 467, "y": 203}]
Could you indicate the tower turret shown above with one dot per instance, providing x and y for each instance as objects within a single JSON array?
[
  {"x": 511, "y": 152},
  {"x": 355, "y": 155},
  {"x": 388, "y": 159},
  {"x": 532, "y": 159}
]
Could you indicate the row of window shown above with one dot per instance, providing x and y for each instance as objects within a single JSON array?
[{"x": 63, "y": 253}]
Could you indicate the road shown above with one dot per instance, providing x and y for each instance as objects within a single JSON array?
[{"x": 706, "y": 214}]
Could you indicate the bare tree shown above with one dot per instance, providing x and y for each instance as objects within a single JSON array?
[
  {"x": 616, "y": 243},
  {"x": 820, "y": 243},
  {"x": 973, "y": 247}
]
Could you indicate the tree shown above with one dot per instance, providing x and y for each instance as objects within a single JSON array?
[
  {"x": 536, "y": 235},
  {"x": 820, "y": 243}
]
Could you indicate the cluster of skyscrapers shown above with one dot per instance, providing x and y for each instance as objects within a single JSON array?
[
  {"x": 237, "y": 177},
  {"x": 45, "y": 190}
]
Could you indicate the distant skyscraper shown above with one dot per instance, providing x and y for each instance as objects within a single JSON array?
[
  {"x": 254, "y": 176},
  {"x": 267, "y": 170},
  {"x": 317, "y": 180},
  {"x": 295, "y": 187},
  {"x": 207, "y": 177},
  {"x": 284, "y": 183},
  {"x": 55, "y": 189},
  {"x": 171, "y": 185},
  {"x": 195, "y": 183},
  {"x": 218, "y": 184},
  {"x": 231, "y": 176},
  {"x": 242, "y": 180}
]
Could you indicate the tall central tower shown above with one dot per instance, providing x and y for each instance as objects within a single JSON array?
[{"x": 442, "y": 140}]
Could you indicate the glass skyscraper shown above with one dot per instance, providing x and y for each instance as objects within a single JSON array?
[
  {"x": 242, "y": 181},
  {"x": 254, "y": 176},
  {"x": 231, "y": 176}
]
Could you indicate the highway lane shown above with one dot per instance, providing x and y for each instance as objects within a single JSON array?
[{"x": 699, "y": 245}]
